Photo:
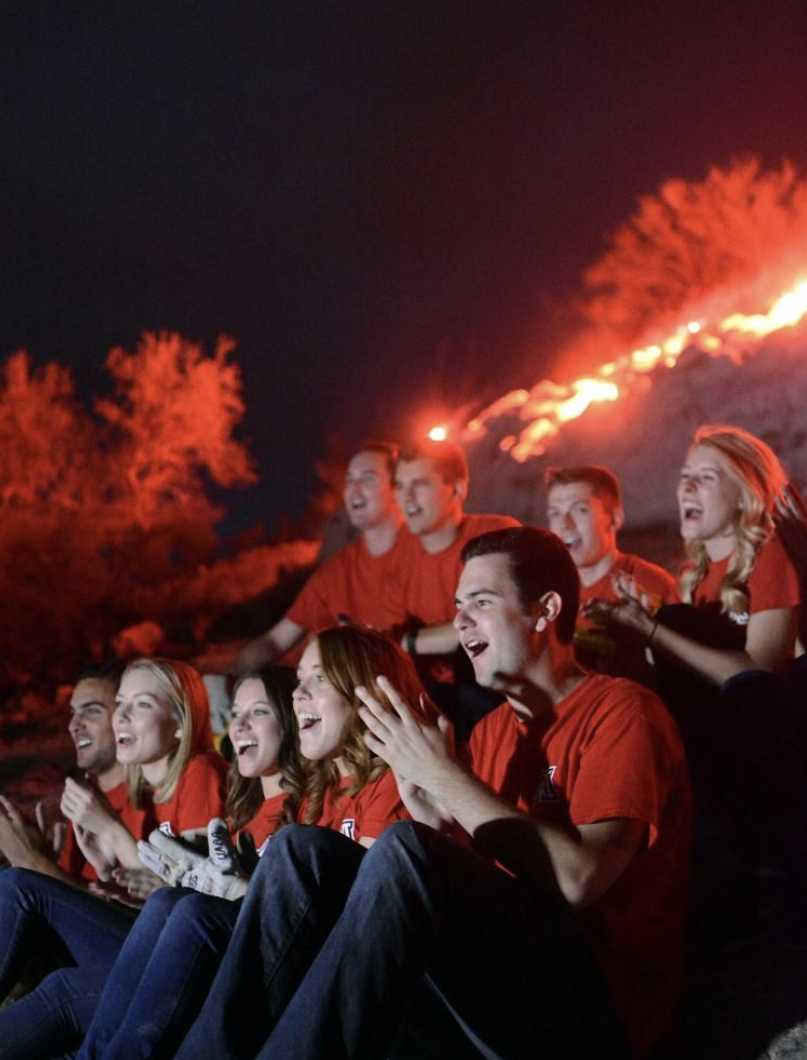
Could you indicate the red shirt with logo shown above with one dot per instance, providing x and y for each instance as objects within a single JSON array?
[
  {"x": 365, "y": 814},
  {"x": 610, "y": 750}
]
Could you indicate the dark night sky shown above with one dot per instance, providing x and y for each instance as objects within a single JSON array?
[{"x": 388, "y": 203}]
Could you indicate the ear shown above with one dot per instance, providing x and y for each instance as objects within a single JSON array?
[
  {"x": 617, "y": 519},
  {"x": 547, "y": 609},
  {"x": 461, "y": 489},
  {"x": 178, "y": 733}
]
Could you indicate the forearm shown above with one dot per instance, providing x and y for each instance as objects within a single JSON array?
[
  {"x": 118, "y": 837},
  {"x": 432, "y": 640},
  {"x": 716, "y": 665},
  {"x": 551, "y": 856}
]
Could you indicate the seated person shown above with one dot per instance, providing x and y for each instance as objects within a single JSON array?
[
  {"x": 174, "y": 782},
  {"x": 350, "y": 585},
  {"x": 91, "y": 707},
  {"x": 566, "y": 895},
  {"x": 584, "y": 508}
]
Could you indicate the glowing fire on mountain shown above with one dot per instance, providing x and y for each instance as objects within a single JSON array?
[{"x": 548, "y": 405}]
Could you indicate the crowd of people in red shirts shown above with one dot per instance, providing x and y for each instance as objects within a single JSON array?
[{"x": 464, "y": 826}]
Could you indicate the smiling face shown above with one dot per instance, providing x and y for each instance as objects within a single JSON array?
[
  {"x": 583, "y": 522},
  {"x": 709, "y": 501},
  {"x": 427, "y": 501},
  {"x": 495, "y": 631},
  {"x": 255, "y": 730},
  {"x": 322, "y": 712},
  {"x": 146, "y": 727},
  {"x": 91, "y": 707},
  {"x": 369, "y": 497}
]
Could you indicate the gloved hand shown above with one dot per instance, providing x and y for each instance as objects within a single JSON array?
[
  {"x": 219, "y": 874},
  {"x": 170, "y": 858}
]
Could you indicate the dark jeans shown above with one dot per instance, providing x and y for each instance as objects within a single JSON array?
[
  {"x": 41, "y": 915},
  {"x": 339, "y": 951},
  {"x": 161, "y": 976}
]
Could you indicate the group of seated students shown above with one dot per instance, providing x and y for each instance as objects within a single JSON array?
[{"x": 362, "y": 881}]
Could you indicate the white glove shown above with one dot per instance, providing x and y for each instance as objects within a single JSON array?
[
  {"x": 219, "y": 874},
  {"x": 169, "y": 858}
]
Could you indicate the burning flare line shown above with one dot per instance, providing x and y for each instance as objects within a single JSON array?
[{"x": 549, "y": 405}]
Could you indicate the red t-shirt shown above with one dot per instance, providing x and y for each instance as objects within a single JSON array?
[
  {"x": 263, "y": 824},
  {"x": 773, "y": 583},
  {"x": 365, "y": 814},
  {"x": 199, "y": 796},
  {"x": 659, "y": 585},
  {"x": 423, "y": 585},
  {"x": 608, "y": 750},
  {"x": 71, "y": 859},
  {"x": 349, "y": 583}
]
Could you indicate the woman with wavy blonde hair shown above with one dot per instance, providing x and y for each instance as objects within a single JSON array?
[{"x": 739, "y": 577}]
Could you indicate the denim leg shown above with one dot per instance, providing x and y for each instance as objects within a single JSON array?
[
  {"x": 158, "y": 984},
  {"x": 293, "y": 901},
  {"x": 40, "y": 914},
  {"x": 51, "y": 1019},
  {"x": 511, "y": 966}
]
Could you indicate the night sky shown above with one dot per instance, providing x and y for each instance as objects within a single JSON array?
[{"x": 389, "y": 204}]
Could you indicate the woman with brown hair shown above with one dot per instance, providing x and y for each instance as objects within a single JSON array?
[{"x": 168, "y": 962}]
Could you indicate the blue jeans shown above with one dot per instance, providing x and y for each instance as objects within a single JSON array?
[
  {"x": 43, "y": 916},
  {"x": 336, "y": 947},
  {"x": 161, "y": 976}
]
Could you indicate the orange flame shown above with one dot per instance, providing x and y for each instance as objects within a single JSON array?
[{"x": 549, "y": 405}]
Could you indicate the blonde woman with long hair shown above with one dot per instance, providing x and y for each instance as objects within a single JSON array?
[
  {"x": 176, "y": 782},
  {"x": 738, "y": 569}
]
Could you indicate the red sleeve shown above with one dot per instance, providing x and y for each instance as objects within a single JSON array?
[
  {"x": 72, "y": 861},
  {"x": 774, "y": 582},
  {"x": 625, "y": 770},
  {"x": 379, "y": 804},
  {"x": 200, "y": 795},
  {"x": 310, "y": 609},
  {"x": 264, "y": 824}
]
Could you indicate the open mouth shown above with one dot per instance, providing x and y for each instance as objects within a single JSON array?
[
  {"x": 307, "y": 721},
  {"x": 85, "y": 741},
  {"x": 691, "y": 512},
  {"x": 123, "y": 739},
  {"x": 412, "y": 510},
  {"x": 474, "y": 647},
  {"x": 572, "y": 542},
  {"x": 242, "y": 746}
]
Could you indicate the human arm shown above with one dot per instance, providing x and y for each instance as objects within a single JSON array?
[
  {"x": 218, "y": 873},
  {"x": 769, "y": 635},
  {"x": 26, "y": 847},
  {"x": 82, "y": 806},
  {"x": 431, "y": 640},
  {"x": 790, "y": 516},
  {"x": 576, "y": 863},
  {"x": 265, "y": 649}
]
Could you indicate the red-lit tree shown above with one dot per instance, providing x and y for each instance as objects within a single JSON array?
[{"x": 690, "y": 238}]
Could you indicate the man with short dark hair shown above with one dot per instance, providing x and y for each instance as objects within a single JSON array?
[
  {"x": 584, "y": 508},
  {"x": 350, "y": 585},
  {"x": 554, "y": 928},
  {"x": 92, "y": 704},
  {"x": 431, "y": 484}
]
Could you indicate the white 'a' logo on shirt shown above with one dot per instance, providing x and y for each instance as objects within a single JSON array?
[
  {"x": 546, "y": 791},
  {"x": 349, "y": 827}
]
